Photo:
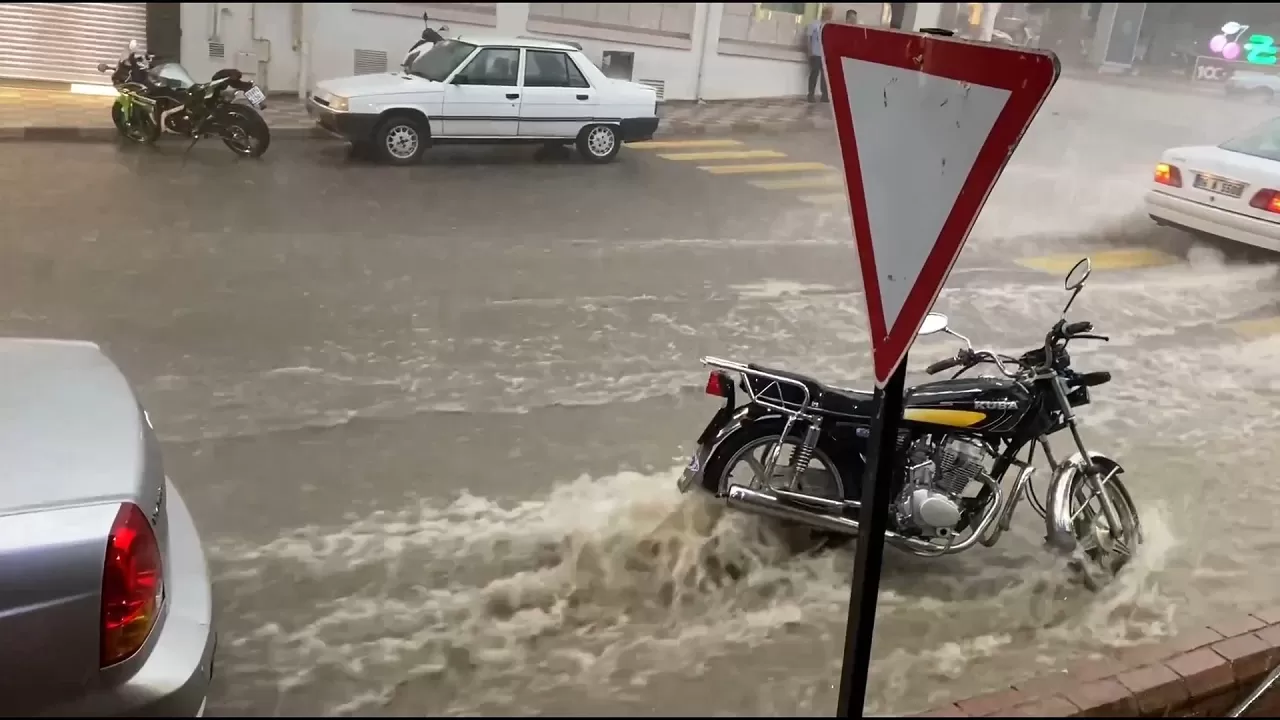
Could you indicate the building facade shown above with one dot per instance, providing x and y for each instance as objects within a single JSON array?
[{"x": 685, "y": 50}]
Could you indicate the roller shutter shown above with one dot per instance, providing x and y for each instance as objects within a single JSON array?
[{"x": 66, "y": 41}]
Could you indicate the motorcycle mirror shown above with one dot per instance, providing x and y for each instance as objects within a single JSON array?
[
  {"x": 444, "y": 29},
  {"x": 133, "y": 45},
  {"x": 102, "y": 67},
  {"x": 933, "y": 323},
  {"x": 1078, "y": 274}
]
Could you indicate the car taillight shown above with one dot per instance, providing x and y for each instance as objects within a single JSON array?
[
  {"x": 718, "y": 385},
  {"x": 132, "y": 585},
  {"x": 1167, "y": 174},
  {"x": 1268, "y": 200}
]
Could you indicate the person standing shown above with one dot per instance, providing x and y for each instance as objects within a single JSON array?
[{"x": 813, "y": 44}]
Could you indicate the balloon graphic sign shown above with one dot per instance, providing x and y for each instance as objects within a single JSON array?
[{"x": 1259, "y": 50}]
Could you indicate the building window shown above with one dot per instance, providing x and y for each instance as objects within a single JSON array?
[{"x": 793, "y": 8}]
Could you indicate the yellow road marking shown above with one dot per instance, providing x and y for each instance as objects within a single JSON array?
[
  {"x": 764, "y": 168},
  {"x": 832, "y": 199},
  {"x": 800, "y": 183},
  {"x": 665, "y": 144},
  {"x": 1260, "y": 327},
  {"x": 724, "y": 155},
  {"x": 1125, "y": 259}
]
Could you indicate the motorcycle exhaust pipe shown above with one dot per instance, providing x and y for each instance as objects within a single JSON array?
[
  {"x": 754, "y": 501},
  {"x": 770, "y": 504}
]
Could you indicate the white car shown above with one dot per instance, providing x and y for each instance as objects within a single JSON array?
[
  {"x": 1230, "y": 190},
  {"x": 487, "y": 90}
]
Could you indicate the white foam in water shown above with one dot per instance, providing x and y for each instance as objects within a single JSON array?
[{"x": 618, "y": 588}]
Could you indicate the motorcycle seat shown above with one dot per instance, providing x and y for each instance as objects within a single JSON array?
[{"x": 826, "y": 399}]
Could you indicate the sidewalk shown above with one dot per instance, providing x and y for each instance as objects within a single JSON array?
[{"x": 27, "y": 114}]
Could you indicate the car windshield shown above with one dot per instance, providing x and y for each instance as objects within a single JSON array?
[
  {"x": 443, "y": 58},
  {"x": 174, "y": 74},
  {"x": 1262, "y": 141}
]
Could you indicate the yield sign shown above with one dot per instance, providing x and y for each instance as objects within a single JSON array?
[{"x": 926, "y": 126}]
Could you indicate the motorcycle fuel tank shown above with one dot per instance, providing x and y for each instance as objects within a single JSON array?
[{"x": 980, "y": 404}]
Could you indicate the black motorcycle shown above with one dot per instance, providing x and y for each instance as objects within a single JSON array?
[
  {"x": 958, "y": 439},
  {"x": 157, "y": 97}
]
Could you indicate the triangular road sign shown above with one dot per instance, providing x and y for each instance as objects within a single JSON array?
[{"x": 926, "y": 125}]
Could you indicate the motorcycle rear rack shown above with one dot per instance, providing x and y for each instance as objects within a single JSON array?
[
  {"x": 792, "y": 411},
  {"x": 761, "y": 398}
]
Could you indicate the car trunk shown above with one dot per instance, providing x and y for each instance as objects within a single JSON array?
[
  {"x": 75, "y": 445},
  {"x": 1224, "y": 179}
]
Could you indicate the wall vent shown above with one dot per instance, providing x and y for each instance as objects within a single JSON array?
[
  {"x": 217, "y": 50},
  {"x": 369, "y": 62},
  {"x": 659, "y": 85}
]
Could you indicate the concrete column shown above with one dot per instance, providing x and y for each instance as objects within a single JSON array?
[
  {"x": 513, "y": 18},
  {"x": 923, "y": 15},
  {"x": 989, "y": 12}
]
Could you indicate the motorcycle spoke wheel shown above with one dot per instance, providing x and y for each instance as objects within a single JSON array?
[
  {"x": 747, "y": 466},
  {"x": 1103, "y": 550}
]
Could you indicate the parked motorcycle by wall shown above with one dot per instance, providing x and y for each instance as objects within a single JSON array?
[
  {"x": 172, "y": 101},
  {"x": 958, "y": 440}
]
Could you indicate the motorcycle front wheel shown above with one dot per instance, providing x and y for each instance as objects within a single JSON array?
[
  {"x": 245, "y": 132},
  {"x": 139, "y": 128},
  {"x": 1106, "y": 550}
]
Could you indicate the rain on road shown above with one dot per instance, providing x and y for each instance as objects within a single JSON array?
[{"x": 429, "y": 419}]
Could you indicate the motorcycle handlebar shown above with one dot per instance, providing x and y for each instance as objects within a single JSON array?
[
  {"x": 1076, "y": 328},
  {"x": 943, "y": 365}
]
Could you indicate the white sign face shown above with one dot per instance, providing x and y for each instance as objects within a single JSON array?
[
  {"x": 933, "y": 126},
  {"x": 926, "y": 125}
]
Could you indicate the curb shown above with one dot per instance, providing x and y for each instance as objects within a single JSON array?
[
  {"x": 666, "y": 129},
  {"x": 1202, "y": 672}
]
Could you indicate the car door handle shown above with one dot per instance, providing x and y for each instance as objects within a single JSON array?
[
  {"x": 584, "y": 97},
  {"x": 513, "y": 96}
]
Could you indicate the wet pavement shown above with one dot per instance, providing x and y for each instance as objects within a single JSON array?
[{"x": 429, "y": 418}]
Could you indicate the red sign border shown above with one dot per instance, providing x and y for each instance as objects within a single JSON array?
[{"x": 1028, "y": 76}]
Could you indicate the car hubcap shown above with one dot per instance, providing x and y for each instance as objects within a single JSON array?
[
  {"x": 601, "y": 141},
  {"x": 402, "y": 142}
]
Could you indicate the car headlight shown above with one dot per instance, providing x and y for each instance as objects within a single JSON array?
[{"x": 340, "y": 104}]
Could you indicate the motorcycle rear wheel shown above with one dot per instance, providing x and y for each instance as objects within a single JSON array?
[
  {"x": 763, "y": 435},
  {"x": 245, "y": 132}
]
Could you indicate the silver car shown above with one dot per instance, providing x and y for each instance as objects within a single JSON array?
[{"x": 105, "y": 599}]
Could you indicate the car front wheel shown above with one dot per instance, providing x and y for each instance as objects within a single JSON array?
[
  {"x": 599, "y": 143},
  {"x": 400, "y": 140}
]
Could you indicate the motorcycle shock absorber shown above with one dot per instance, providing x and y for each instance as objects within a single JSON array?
[{"x": 801, "y": 456}]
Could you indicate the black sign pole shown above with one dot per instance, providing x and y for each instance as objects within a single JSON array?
[{"x": 874, "y": 520}]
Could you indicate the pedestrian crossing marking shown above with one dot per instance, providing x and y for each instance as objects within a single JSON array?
[
  {"x": 800, "y": 183},
  {"x": 764, "y": 168},
  {"x": 1256, "y": 328},
  {"x": 829, "y": 199},
  {"x": 1121, "y": 259},
  {"x": 724, "y": 155},
  {"x": 673, "y": 144}
]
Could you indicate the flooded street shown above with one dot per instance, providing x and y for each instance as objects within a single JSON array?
[{"x": 429, "y": 420}]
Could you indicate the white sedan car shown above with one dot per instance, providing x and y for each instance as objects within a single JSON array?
[
  {"x": 1230, "y": 190},
  {"x": 487, "y": 91}
]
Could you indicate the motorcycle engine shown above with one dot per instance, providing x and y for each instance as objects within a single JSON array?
[
  {"x": 938, "y": 471},
  {"x": 178, "y": 122}
]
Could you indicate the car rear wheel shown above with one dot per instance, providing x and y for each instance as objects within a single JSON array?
[
  {"x": 599, "y": 143},
  {"x": 1265, "y": 95},
  {"x": 400, "y": 140}
]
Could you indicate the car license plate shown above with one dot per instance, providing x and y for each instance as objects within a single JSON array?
[
  {"x": 694, "y": 469},
  {"x": 255, "y": 96},
  {"x": 1219, "y": 185}
]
